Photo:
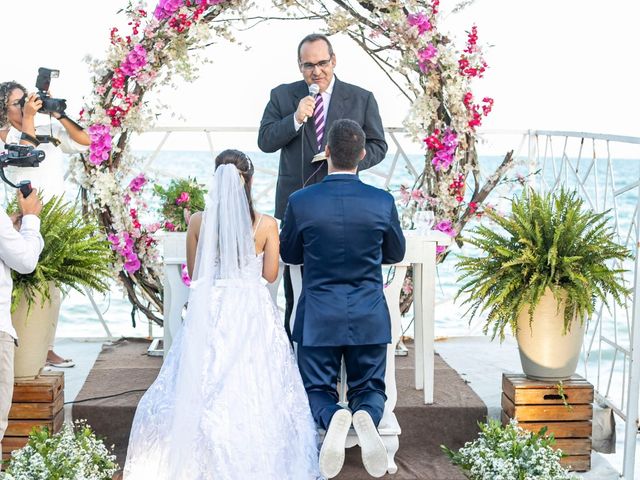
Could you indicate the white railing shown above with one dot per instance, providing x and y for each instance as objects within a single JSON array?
[
  {"x": 588, "y": 163},
  {"x": 584, "y": 161}
]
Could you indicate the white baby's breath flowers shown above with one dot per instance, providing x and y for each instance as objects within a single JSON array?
[{"x": 72, "y": 454}]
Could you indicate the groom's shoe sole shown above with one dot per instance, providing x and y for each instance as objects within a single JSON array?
[
  {"x": 374, "y": 453},
  {"x": 333, "y": 446}
]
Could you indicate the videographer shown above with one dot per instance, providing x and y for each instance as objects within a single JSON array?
[
  {"x": 19, "y": 251},
  {"x": 17, "y": 125}
]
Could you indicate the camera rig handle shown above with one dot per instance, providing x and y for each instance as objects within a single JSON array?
[
  {"x": 24, "y": 185},
  {"x": 20, "y": 156},
  {"x": 25, "y": 188}
]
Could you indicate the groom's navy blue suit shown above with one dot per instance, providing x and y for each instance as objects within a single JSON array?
[{"x": 343, "y": 231}]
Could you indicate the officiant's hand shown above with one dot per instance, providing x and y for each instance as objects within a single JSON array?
[{"x": 305, "y": 108}]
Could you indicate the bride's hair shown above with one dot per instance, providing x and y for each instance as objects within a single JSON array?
[{"x": 245, "y": 167}]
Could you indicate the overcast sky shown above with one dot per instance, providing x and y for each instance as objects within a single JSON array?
[{"x": 554, "y": 64}]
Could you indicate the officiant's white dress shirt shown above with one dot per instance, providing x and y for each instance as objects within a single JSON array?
[{"x": 19, "y": 251}]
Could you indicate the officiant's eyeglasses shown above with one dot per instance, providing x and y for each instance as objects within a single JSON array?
[{"x": 312, "y": 66}]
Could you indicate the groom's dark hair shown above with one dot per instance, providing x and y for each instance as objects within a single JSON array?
[{"x": 345, "y": 141}]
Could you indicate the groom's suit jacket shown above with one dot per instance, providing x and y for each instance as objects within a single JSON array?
[
  {"x": 277, "y": 132},
  {"x": 343, "y": 231}
]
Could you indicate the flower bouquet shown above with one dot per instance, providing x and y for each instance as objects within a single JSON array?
[{"x": 178, "y": 201}]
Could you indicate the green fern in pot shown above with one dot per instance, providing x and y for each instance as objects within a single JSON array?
[
  {"x": 75, "y": 255},
  {"x": 549, "y": 242}
]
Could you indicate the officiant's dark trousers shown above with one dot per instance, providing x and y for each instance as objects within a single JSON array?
[
  {"x": 320, "y": 370},
  {"x": 288, "y": 297}
]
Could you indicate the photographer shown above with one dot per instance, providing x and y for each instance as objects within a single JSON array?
[
  {"x": 19, "y": 251},
  {"x": 17, "y": 125}
]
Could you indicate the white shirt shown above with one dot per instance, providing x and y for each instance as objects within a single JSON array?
[
  {"x": 326, "y": 99},
  {"x": 19, "y": 251},
  {"x": 48, "y": 177}
]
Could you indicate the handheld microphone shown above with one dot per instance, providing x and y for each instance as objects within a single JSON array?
[{"x": 314, "y": 90}]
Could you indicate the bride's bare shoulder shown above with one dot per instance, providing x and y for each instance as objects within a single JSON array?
[
  {"x": 266, "y": 221},
  {"x": 267, "y": 224},
  {"x": 194, "y": 222}
]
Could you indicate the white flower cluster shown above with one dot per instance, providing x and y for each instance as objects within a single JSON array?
[
  {"x": 511, "y": 453},
  {"x": 69, "y": 455}
]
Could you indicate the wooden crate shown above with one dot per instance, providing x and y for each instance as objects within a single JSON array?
[
  {"x": 536, "y": 404},
  {"x": 36, "y": 402}
]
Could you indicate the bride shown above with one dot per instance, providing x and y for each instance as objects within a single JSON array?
[{"x": 228, "y": 403}]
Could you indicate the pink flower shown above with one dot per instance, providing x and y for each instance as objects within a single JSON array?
[
  {"x": 135, "y": 61},
  {"x": 154, "y": 227},
  {"x": 137, "y": 183},
  {"x": 443, "y": 157},
  {"x": 419, "y": 20},
  {"x": 132, "y": 263},
  {"x": 113, "y": 238},
  {"x": 123, "y": 244},
  {"x": 418, "y": 196},
  {"x": 100, "y": 148},
  {"x": 166, "y": 8},
  {"x": 404, "y": 193},
  {"x": 185, "y": 275},
  {"x": 169, "y": 226},
  {"x": 183, "y": 198},
  {"x": 446, "y": 226},
  {"x": 427, "y": 57},
  {"x": 440, "y": 249}
]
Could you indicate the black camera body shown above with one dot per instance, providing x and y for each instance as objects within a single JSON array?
[
  {"x": 20, "y": 156},
  {"x": 49, "y": 104}
]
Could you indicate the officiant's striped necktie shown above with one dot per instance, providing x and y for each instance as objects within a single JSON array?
[{"x": 318, "y": 118}]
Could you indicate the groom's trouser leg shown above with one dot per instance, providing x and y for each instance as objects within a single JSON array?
[
  {"x": 319, "y": 368},
  {"x": 366, "y": 366}
]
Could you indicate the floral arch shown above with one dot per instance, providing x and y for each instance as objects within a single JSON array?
[{"x": 401, "y": 37}]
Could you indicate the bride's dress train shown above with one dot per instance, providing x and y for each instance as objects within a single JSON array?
[{"x": 229, "y": 403}]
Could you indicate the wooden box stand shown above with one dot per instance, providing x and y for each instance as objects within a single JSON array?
[
  {"x": 536, "y": 404},
  {"x": 37, "y": 402}
]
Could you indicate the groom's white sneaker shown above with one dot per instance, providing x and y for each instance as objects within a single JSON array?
[
  {"x": 333, "y": 446},
  {"x": 374, "y": 453}
]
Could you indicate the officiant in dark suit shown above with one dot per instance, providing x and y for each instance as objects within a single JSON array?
[
  {"x": 343, "y": 231},
  {"x": 295, "y": 123}
]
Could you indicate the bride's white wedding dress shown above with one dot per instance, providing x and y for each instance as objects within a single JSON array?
[{"x": 228, "y": 403}]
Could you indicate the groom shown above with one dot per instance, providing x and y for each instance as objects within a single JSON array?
[{"x": 343, "y": 231}]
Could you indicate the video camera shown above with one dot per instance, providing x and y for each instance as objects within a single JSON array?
[
  {"x": 49, "y": 104},
  {"x": 20, "y": 156}
]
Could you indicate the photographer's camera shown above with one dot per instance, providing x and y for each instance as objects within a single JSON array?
[{"x": 49, "y": 104}]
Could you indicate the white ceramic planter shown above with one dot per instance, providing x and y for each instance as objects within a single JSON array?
[
  {"x": 35, "y": 331},
  {"x": 545, "y": 353}
]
